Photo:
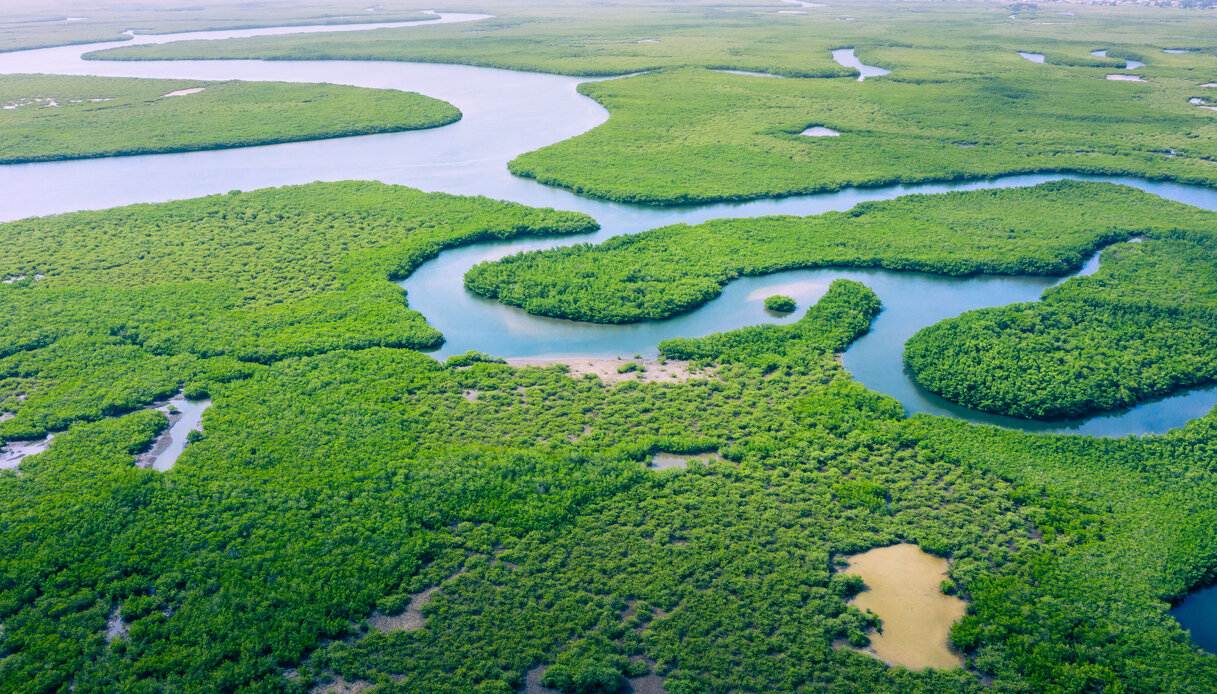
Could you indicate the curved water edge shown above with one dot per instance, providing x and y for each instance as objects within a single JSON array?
[
  {"x": 13, "y": 452},
  {"x": 1197, "y": 613},
  {"x": 1128, "y": 64},
  {"x": 845, "y": 58},
  {"x": 185, "y": 417},
  {"x": 904, "y": 588},
  {"x": 507, "y": 113}
]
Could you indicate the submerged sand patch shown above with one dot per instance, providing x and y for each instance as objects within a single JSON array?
[
  {"x": 904, "y": 589},
  {"x": 610, "y": 370},
  {"x": 410, "y": 620},
  {"x": 13, "y": 452},
  {"x": 116, "y": 628},
  {"x": 340, "y": 685}
]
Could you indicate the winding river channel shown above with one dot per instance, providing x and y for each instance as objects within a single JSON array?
[{"x": 507, "y": 113}]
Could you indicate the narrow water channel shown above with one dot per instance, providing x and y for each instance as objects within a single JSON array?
[{"x": 507, "y": 113}]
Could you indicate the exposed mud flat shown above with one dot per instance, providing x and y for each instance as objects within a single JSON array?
[
  {"x": 116, "y": 628},
  {"x": 13, "y": 452},
  {"x": 410, "y": 620},
  {"x": 340, "y": 685},
  {"x": 1202, "y": 103},
  {"x": 13, "y": 279},
  {"x": 184, "y": 92},
  {"x": 680, "y": 461},
  {"x": 609, "y": 369},
  {"x": 820, "y": 131},
  {"x": 903, "y": 589},
  {"x": 1033, "y": 57},
  {"x": 647, "y": 684},
  {"x": 532, "y": 682},
  {"x": 48, "y": 102},
  {"x": 471, "y": 395}
]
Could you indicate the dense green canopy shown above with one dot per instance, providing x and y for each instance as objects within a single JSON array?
[{"x": 52, "y": 117}]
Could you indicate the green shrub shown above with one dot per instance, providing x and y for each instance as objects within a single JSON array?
[{"x": 779, "y": 303}]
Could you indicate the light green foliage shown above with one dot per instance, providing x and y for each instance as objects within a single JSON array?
[
  {"x": 1139, "y": 535},
  {"x": 60, "y": 117},
  {"x": 568, "y": 37},
  {"x": 108, "y": 310},
  {"x": 341, "y": 473},
  {"x": 959, "y": 102},
  {"x": 780, "y": 303},
  {"x": 328, "y": 486},
  {"x": 1047, "y": 229},
  {"x": 830, "y": 325},
  {"x": 695, "y": 135},
  {"x": 1144, "y": 326}
]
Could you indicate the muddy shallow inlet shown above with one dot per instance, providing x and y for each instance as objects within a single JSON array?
[{"x": 903, "y": 589}]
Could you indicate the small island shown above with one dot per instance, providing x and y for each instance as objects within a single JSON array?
[{"x": 780, "y": 303}]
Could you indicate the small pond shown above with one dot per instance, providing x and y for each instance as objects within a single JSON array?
[
  {"x": 903, "y": 587},
  {"x": 1198, "y": 614}
]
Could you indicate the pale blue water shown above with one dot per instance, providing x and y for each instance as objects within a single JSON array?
[
  {"x": 846, "y": 58},
  {"x": 506, "y": 113}
]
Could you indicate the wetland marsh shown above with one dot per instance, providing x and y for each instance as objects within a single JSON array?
[{"x": 433, "y": 491}]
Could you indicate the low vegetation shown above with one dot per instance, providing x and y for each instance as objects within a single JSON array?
[
  {"x": 341, "y": 474},
  {"x": 1144, "y": 326},
  {"x": 148, "y": 297},
  {"x": 50, "y": 117},
  {"x": 1048, "y": 229},
  {"x": 690, "y": 135},
  {"x": 328, "y": 488}
]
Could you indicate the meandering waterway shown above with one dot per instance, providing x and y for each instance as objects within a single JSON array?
[{"x": 507, "y": 113}]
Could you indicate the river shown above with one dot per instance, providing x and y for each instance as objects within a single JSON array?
[{"x": 507, "y": 113}]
